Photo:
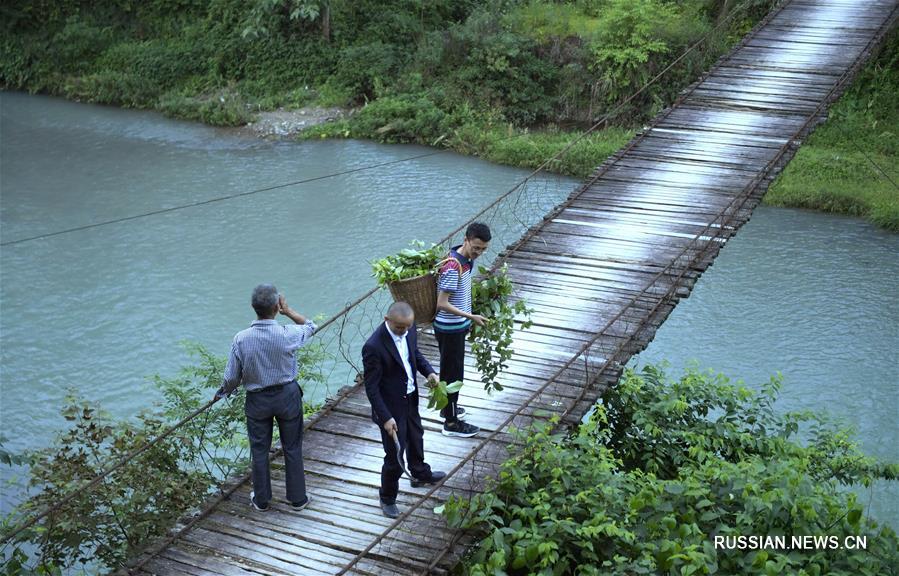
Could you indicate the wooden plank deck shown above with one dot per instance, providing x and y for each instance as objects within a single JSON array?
[{"x": 601, "y": 272}]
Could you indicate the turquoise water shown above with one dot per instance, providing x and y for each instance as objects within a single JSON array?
[
  {"x": 100, "y": 310},
  {"x": 814, "y": 297}
]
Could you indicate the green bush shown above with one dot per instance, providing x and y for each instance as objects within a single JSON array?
[
  {"x": 221, "y": 109},
  {"x": 364, "y": 70},
  {"x": 79, "y": 43},
  {"x": 630, "y": 48},
  {"x": 401, "y": 119},
  {"x": 166, "y": 63},
  {"x": 34, "y": 15},
  {"x": 663, "y": 468},
  {"x": 485, "y": 64},
  {"x": 142, "y": 499},
  {"x": 121, "y": 88}
]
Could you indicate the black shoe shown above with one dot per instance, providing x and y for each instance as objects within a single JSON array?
[
  {"x": 435, "y": 478},
  {"x": 261, "y": 508},
  {"x": 460, "y": 413},
  {"x": 459, "y": 428},
  {"x": 390, "y": 510},
  {"x": 300, "y": 505}
]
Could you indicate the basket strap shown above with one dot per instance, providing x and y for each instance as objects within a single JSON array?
[{"x": 456, "y": 260}]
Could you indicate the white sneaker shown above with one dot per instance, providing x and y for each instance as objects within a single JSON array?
[{"x": 256, "y": 506}]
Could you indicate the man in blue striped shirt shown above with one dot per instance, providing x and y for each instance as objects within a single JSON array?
[
  {"x": 263, "y": 358},
  {"x": 454, "y": 319}
]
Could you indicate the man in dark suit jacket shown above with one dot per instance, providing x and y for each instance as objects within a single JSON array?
[{"x": 390, "y": 360}]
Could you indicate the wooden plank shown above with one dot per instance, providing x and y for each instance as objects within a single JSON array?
[{"x": 629, "y": 243}]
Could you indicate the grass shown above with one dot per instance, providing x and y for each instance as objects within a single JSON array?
[
  {"x": 530, "y": 149},
  {"x": 850, "y": 164},
  {"x": 501, "y": 144}
]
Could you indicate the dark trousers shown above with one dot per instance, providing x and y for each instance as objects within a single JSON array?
[
  {"x": 412, "y": 445},
  {"x": 452, "y": 366},
  {"x": 286, "y": 406}
]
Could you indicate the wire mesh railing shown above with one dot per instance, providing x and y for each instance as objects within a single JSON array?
[
  {"x": 607, "y": 349},
  {"x": 513, "y": 217}
]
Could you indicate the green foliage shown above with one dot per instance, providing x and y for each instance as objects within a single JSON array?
[
  {"x": 363, "y": 70},
  {"x": 628, "y": 42},
  {"x": 112, "y": 521},
  {"x": 265, "y": 17},
  {"x": 544, "y": 22},
  {"x": 311, "y": 359},
  {"x": 17, "y": 564},
  {"x": 408, "y": 263},
  {"x": 216, "y": 440},
  {"x": 438, "y": 395},
  {"x": 835, "y": 170},
  {"x": 80, "y": 42},
  {"x": 530, "y": 149},
  {"x": 121, "y": 88},
  {"x": 524, "y": 62},
  {"x": 10, "y": 458},
  {"x": 164, "y": 62},
  {"x": 407, "y": 118},
  {"x": 142, "y": 499},
  {"x": 491, "y": 344},
  {"x": 660, "y": 469},
  {"x": 222, "y": 109}
]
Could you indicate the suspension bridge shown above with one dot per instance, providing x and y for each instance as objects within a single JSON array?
[{"x": 601, "y": 271}]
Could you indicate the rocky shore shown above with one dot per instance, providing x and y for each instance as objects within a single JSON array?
[{"x": 281, "y": 123}]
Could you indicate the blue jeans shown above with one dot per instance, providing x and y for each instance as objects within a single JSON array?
[{"x": 286, "y": 406}]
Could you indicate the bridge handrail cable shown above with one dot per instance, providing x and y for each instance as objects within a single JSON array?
[{"x": 711, "y": 231}]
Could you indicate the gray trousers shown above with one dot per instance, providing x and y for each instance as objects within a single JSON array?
[{"x": 286, "y": 406}]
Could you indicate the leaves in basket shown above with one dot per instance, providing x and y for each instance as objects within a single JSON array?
[{"x": 407, "y": 263}]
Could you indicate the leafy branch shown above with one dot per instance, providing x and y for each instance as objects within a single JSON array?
[
  {"x": 438, "y": 397},
  {"x": 491, "y": 344},
  {"x": 141, "y": 500}
]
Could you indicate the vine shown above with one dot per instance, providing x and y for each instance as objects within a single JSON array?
[{"x": 491, "y": 344}]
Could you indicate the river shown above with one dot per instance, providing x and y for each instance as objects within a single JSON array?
[
  {"x": 100, "y": 310},
  {"x": 814, "y": 297}
]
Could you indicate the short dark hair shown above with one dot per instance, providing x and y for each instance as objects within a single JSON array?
[
  {"x": 264, "y": 300},
  {"x": 478, "y": 230},
  {"x": 399, "y": 310}
]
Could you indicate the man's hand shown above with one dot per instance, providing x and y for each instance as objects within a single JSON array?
[
  {"x": 390, "y": 426},
  {"x": 283, "y": 308},
  {"x": 478, "y": 319},
  {"x": 433, "y": 380},
  {"x": 219, "y": 394}
]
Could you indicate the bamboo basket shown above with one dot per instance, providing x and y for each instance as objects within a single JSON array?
[{"x": 420, "y": 293}]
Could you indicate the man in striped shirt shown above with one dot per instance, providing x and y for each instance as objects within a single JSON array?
[
  {"x": 263, "y": 358},
  {"x": 454, "y": 319}
]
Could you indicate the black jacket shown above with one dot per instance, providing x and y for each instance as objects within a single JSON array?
[{"x": 384, "y": 375}]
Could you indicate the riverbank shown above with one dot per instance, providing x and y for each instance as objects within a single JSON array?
[
  {"x": 512, "y": 82},
  {"x": 849, "y": 164}
]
